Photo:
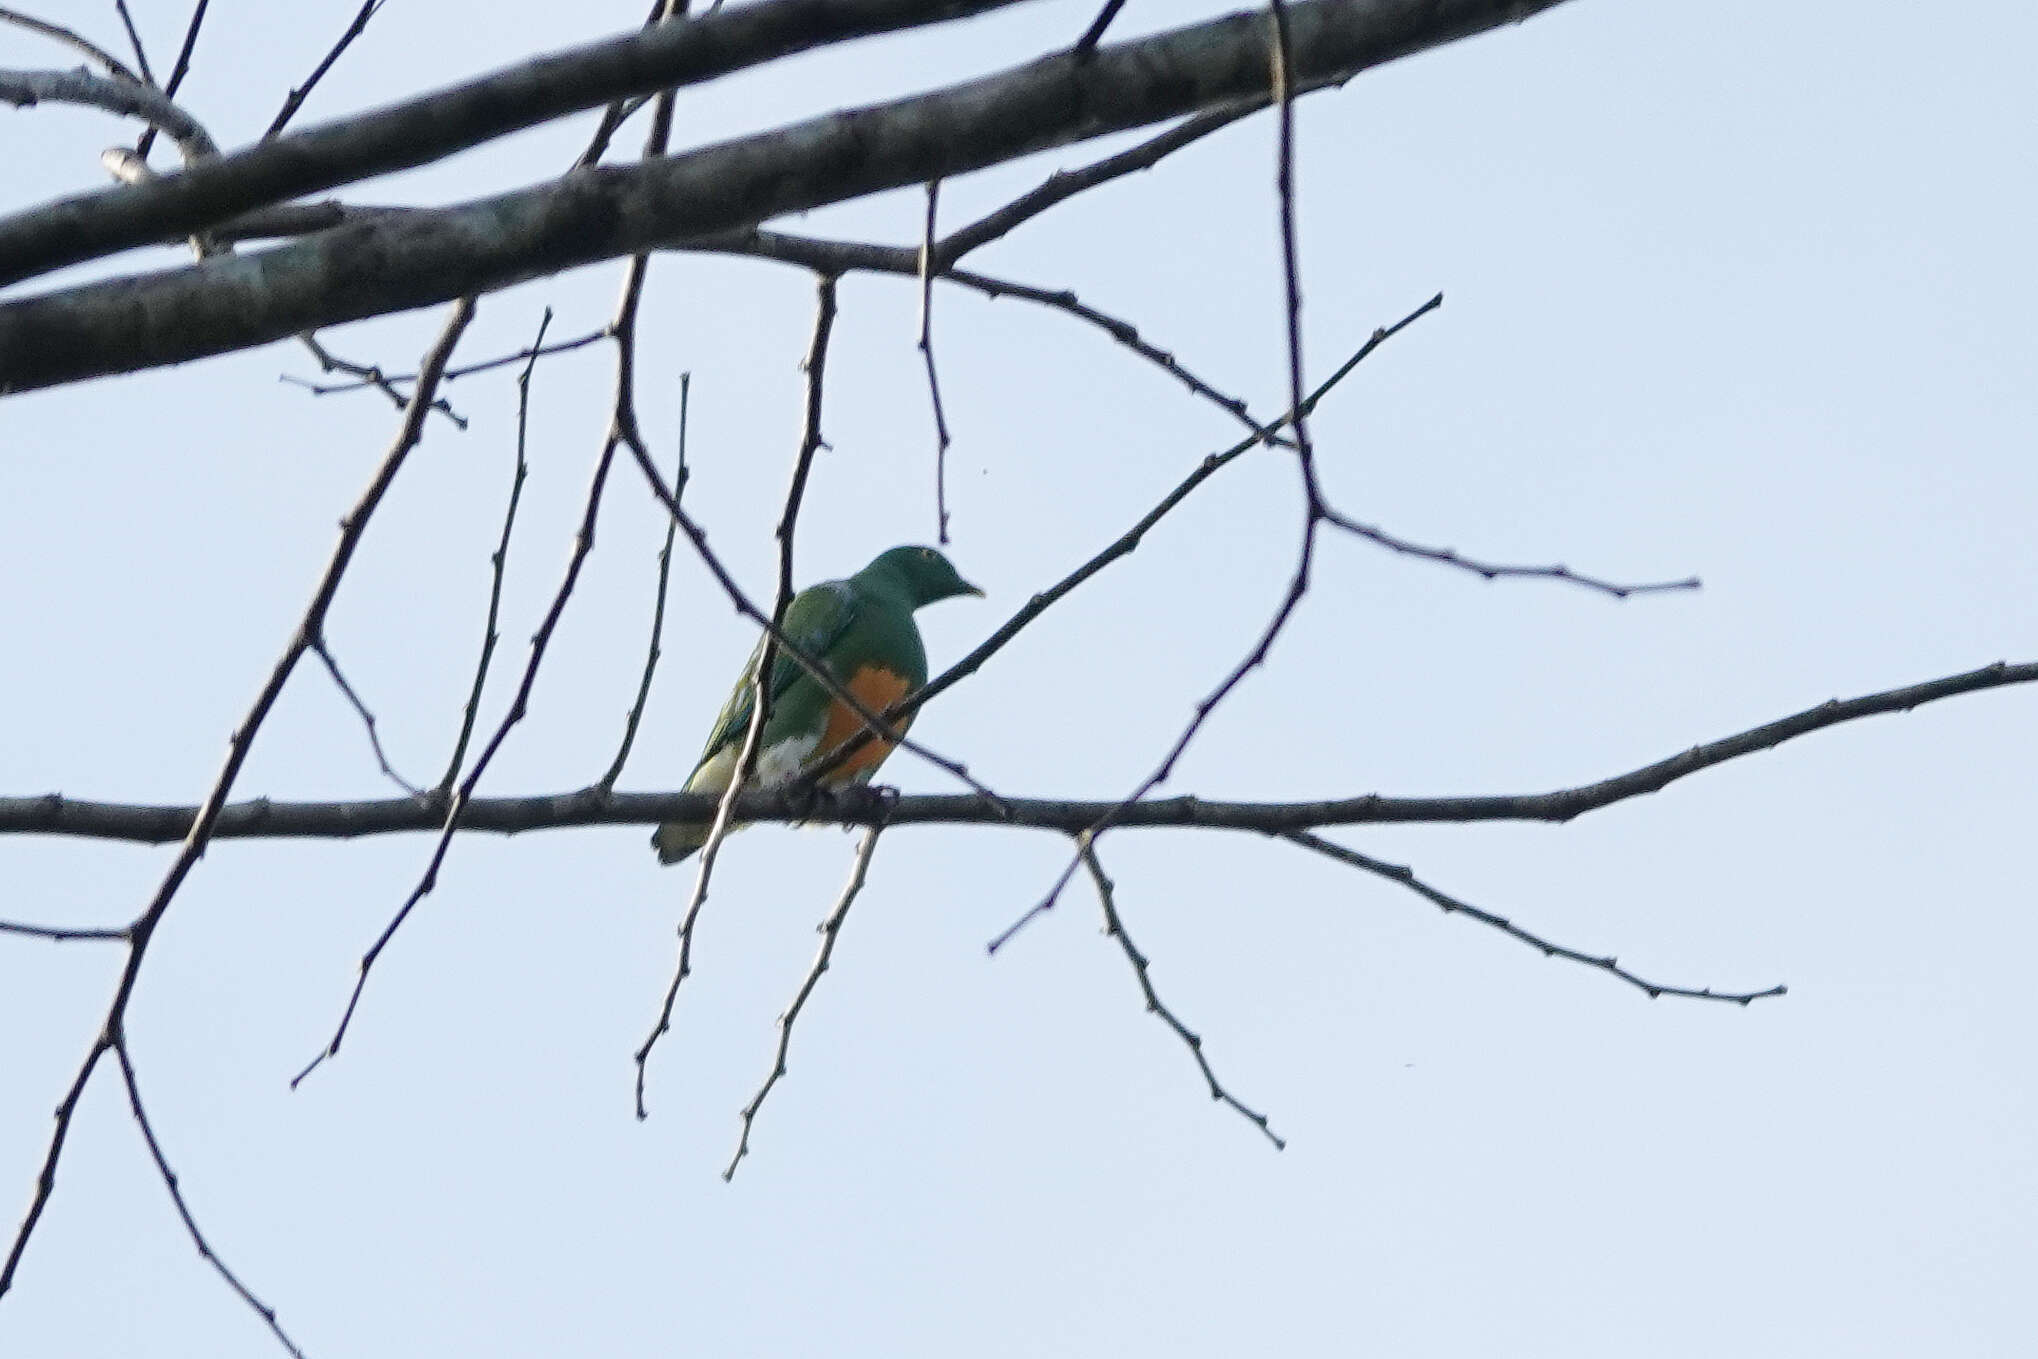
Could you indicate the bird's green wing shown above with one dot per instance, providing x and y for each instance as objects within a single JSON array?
[{"x": 815, "y": 621}]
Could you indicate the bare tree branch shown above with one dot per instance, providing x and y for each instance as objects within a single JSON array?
[
  {"x": 1129, "y": 541},
  {"x": 652, "y": 654},
  {"x": 498, "y": 563},
  {"x": 191, "y": 1229},
  {"x": 299, "y": 93},
  {"x": 841, "y": 257},
  {"x": 1095, "y": 32},
  {"x": 178, "y": 71},
  {"x": 418, "y": 131},
  {"x": 204, "y": 819},
  {"x": 603, "y": 212},
  {"x": 325, "y": 654},
  {"x": 1281, "y": 60},
  {"x": 1114, "y": 927},
  {"x": 830, "y": 929},
  {"x": 63, "y": 934},
  {"x": 364, "y": 375},
  {"x": 1450, "y": 905},
  {"x": 816, "y": 366},
  {"x": 263, "y": 819},
  {"x": 134, "y": 39},
  {"x": 926, "y": 347}
]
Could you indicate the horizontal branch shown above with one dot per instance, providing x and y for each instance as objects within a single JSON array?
[
  {"x": 391, "y": 265},
  {"x": 54, "y": 814}
]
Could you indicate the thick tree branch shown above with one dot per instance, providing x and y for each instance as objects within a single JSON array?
[
  {"x": 54, "y": 814},
  {"x": 596, "y": 213},
  {"x": 432, "y": 126}
]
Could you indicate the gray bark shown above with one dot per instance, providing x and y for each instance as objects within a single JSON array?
[{"x": 396, "y": 264}]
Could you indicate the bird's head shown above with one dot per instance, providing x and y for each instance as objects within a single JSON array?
[{"x": 922, "y": 574}]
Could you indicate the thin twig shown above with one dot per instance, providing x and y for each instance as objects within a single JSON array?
[
  {"x": 300, "y": 93},
  {"x": 324, "y": 653},
  {"x": 191, "y": 1229},
  {"x": 1450, "y": 905},
  {"x": 206, "y": 816},
  {"x": 811, "y": 442},
  {"x": 622, "y": 430},
  {"x": 1305, "y": 461},
  {"x": 63, "y": 933},
  {"x": 498, "y": 561},
  {"x": 364, "y": 375},
  {"x": 177, "y": 72},
  {"x": 465, "y": 369},
  {"x": 134, "y": 40},
  {"x": 1095, "y": 32},
  {"x": 825, "y": 256},
  {"x": 1114, "y": 926},
  {"x": 1127, "y": 542},
  {"x": 829, "y": 929},
  {"x": 926, "y": 344},
  {"x": 652, "y": 653},
  {"x": 1494, "y": 570},
  {"x": 620, "y": 111},
  {"x": 583, "y": 544}
]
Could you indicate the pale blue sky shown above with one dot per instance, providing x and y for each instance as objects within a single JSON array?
[{"x": 1741, "y": 290}]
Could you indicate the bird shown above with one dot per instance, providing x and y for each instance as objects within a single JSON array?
[{"x": 861, "y": 628}]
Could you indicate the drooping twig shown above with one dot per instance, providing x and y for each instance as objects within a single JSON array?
[
  {"x": 177, "y": 72},
  {"x": 324, "y": 653},
  {"x": 498, "y": 562},
  {"x": 1496, "y": 570},
  {"x": 300, "y": 93},
  {"x": 583, "y": 544},
  {"x": 622, "y": 429},
  {"x": 1405, "y": 876},
  {"x": 830, "y": 929},
  {"x": 825, "y": 256},
  {"x": 926, "y": 345},
  {"x": 191, "y": 1228},
  {"x": 1114, "y": 926},
  {"x": 112, "y": 1033},
  {"x": 652, "y": 653},
  {"x": 816, "y": 366}
]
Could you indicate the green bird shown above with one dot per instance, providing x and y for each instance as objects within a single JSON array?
[{"x": 862, "y": 629}]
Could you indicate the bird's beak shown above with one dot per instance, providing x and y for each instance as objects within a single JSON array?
[{"x": 970, "y": 589}]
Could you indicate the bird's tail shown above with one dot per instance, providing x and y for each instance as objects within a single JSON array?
[{"x": 677, "y": 840}]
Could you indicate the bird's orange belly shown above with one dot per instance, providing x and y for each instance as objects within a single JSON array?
[{"x": 877, "y": 689}]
